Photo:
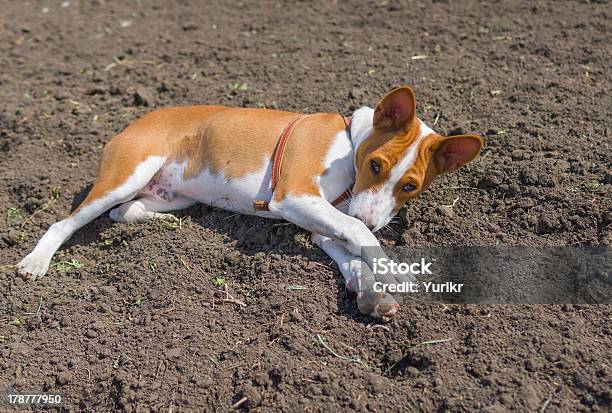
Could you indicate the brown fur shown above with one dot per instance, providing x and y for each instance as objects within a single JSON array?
[
  {"x": 233, "y": 140},
  {"x": 395, "y": 128},
  {"x": 305, "y": 154},
  {"x": 388, "y": 148},
  {"x": 236, "y": 141}
]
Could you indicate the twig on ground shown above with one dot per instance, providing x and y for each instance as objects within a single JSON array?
[
  {"x": 127, "y": 62},
  {"x": 228, "y": 297},
  {"x": 471, "y": 188},
  {"x": 451, "y": 205},
  {"x": 321, "y": 341},
  {"x": 375, "y": 326},
  {"x": 185, "y": 264},
  {"x": 239, "y": 402},
  {"x": 545, "y": 404}
]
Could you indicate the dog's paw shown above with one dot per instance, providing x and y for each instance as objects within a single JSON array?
[
  {"x": 165, "y": 217},
  {"x": 32, "y": 267},
  {"x": 386, "y": 310},
  {"x": 377, "y": 304}
]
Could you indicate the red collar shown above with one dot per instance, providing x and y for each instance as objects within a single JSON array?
[{"x": 277, "y": 161}]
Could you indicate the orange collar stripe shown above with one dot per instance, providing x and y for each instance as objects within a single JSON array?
[{"x": 277, "y": 161}]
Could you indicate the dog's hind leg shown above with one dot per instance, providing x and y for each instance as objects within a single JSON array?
[
  {"x": 146, "y": 208},
  {"x": 114, "y": 185}
]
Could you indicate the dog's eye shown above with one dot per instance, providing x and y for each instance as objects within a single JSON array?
[
  {"x": 375, "y": 165},
  {"x": 409, "y": 187}
]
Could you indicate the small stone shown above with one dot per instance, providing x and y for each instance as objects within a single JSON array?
[
  {"x": 322, "y": 376},
  {"x": 493, "y": 179},
  {"x": 11, "y": 237},
  {"x": 377, "y": 384},
  {"x": 514, "y": 189},
  {"x": 529, "y": 397},
  {"x": 529, "y": 176},
  {"x": 563, "y": 164},
  {"x": 412, "y": 371},
  {"x": 395, "y": 356},
  {"x": 520, "y": 154},
  {"x": 607, "y": 179},
  {"x": 174, "y": 352},
  {"x": 533, "y": 364},
  {"x": 108, "y": 290},
  {"x": 495, "y": 408},
  {"x": 445, "y": 211},
  {"x": 355, "y": 93},
  {"x": 62, "y": 378},
  {"x": 143, "y": 97},
  {"x": 114, "y": 90},
  {"x": 189, "y": 26},
  {"x": 96, "y": 90},
  {"x": 506, "y": 399},
  {"x": 91, "y": 334},
  {"x": 81, "y": 109},
  {"x": 205, "y": 382},
  {"x": 104, "y": 308},
  {"x": 261, "y": 380},
  {"x": 547, "y": 225},
  {"x": 489, "y": 380},
  {"x": 295, "y": 317}
]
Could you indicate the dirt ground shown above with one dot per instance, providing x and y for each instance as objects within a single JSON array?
[{"x": 127, "y": 319}]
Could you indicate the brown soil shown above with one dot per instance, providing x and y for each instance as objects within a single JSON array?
[{"x": 137, "y": 328}]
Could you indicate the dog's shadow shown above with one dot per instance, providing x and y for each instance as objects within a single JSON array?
[{"x": 250, "y": 235}]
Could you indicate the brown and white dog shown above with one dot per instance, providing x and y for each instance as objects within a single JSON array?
[{"x": 224, "y": 157}]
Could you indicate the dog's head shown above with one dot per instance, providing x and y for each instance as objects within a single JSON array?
[{"x": 399, "y": 156}]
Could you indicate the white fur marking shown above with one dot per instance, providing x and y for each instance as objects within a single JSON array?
[
  {"x": 361, "y": 127},
  {"x": 376, "y": 208},
  {"x": 339, "y": 170},
  {"x": 36, "y": 263},
  {"x": 233, "y": 194}
]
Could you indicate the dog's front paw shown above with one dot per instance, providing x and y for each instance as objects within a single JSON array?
[
  {"x": 371, "y": 300},
  {"x": 377, "y": 304},
  {"x": 166, "y": 217},
  {"x": 32, "y": 267}
]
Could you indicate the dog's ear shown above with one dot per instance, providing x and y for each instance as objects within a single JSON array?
[
  {"x": 452, "y": 152},
  {"x": 396, "y": 110}
]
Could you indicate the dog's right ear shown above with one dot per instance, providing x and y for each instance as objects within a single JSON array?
[
  {"x": 396, "y": 111},
  {"x": 452, "y": 152}
]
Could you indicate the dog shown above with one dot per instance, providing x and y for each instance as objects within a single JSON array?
[{"x": 340, "y": 178}]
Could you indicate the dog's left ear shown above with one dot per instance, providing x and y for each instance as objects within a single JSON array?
[
  {"x": 452, "y": 152},
  {"x": 396, "y": 110}
]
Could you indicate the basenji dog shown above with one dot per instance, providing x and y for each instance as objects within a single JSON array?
[{"x": 340, "y": 178}]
